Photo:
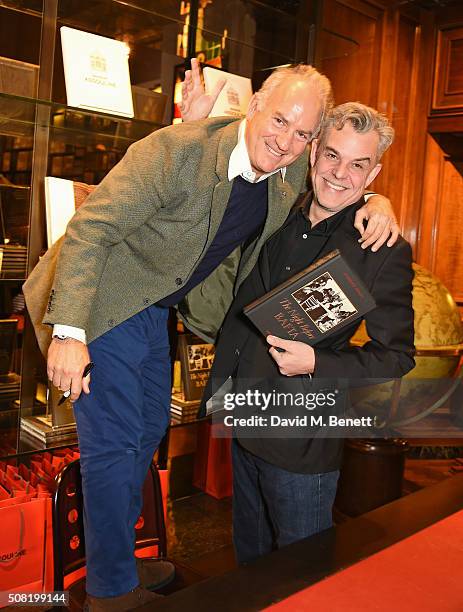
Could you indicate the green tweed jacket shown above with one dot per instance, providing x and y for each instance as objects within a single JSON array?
[{"x": 143, "y": 230}]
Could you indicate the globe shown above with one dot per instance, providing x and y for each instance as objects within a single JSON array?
[{"x": 426, "y": 388}]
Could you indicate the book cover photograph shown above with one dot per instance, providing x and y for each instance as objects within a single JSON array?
[
  {"x": 196, "y": 357},
  {"x": 324, "y": 302},
  {"x": 314, "y": 304}
]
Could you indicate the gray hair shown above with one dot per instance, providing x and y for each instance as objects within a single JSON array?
[
  {"x": 301, "y": 72},
  {"x": 363, "y": 119}
]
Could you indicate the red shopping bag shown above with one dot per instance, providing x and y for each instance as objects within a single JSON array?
[
  {"x": 164, "y": 478},
  {"x": 22, "y": 545},
  {"x": 212, "y": 470}
]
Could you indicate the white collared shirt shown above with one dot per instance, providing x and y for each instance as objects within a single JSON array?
[{"x": 239, "y": 164}]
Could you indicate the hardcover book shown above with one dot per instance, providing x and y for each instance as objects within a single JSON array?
[
  {"x": 62, "y": 198},
  {"x": 96, "y": 72},
  {"x": 234, "y": 98},
  {"x": 182, "y": 410},
  {"x": 148, "y": 105},
  {"x": 59, "y": 206},
  {"x": 314, "y": 304},
  {"x": 181, "y": 405},
  {"x": 196, "y": 358}
]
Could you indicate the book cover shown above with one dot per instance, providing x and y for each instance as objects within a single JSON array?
[
  {"x": 62, "y": 198},
  {"x": 314, "y": 304},
  {"x": 196, "y": 357},
  {"x": 60, "y": 414},
  {"x": 59, "y": 206},
  {"x": 148, "y": 105},
  {"x": 96, "y": 72},
  {"x": 234, "y": 98}
]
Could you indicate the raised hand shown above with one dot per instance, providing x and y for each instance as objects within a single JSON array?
[{"x": 196, "y": 103}]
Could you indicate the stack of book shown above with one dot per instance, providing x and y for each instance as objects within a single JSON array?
[
  {"x": 182, "y": 410},
  {"x": 13, "y": 260}
]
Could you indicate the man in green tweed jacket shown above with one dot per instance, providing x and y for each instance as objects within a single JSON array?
[{"x": 183, "y": 215}]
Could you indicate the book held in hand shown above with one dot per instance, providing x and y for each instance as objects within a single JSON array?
[{"x": 314, "y": 304}]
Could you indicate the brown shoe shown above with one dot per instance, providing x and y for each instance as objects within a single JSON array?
[
  {"x": 129, "y": 601},
  {"x": 155, "y": 573}
]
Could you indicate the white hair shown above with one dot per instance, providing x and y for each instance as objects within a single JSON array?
[
  {"x": 301, "y": 72},
  {"x": 363, "y": 119}
]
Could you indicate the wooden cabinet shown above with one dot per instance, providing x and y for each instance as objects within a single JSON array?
[
  {"x": 448, "y": 75},
  {"x": 40, "y": 135},
  {"x": 440, "y": 245}
]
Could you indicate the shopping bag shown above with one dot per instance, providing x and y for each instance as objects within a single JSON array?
[
  {"x": 22, "y": 545},
  {"x": 164, "y": 479}
]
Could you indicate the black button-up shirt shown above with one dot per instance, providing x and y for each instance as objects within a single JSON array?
[{"x": 299, "y": 244}]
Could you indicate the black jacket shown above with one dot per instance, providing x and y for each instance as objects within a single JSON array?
[{"x": 388, "y": 276}]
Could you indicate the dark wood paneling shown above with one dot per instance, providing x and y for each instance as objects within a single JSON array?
[
  {"x": 382, "y": 55},
  {"x": 448, "y": 264},
  {"x": 440, "y": 245},
  {"x": 440, "y": 248},
  {"x": 440, "y": 242},
  {"x": 399, "y": 100},
  {"x": 455, "y": 75},
  {"x": 431, "y": 195},
  {"x": 19, "y": 36},
  {"x": 446, "y": 123},
  {"x": 349, "y": 49}
]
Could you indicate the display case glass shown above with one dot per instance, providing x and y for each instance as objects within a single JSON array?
[
  {"x": 44, "y": 136},
  {"x": 247, "y": 37},
  {"x": 41, "y": 135}
]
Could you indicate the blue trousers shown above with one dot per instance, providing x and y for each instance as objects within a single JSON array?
[
  {"x": 120, "y": 424},
  {"x": 273, "y": 507}
]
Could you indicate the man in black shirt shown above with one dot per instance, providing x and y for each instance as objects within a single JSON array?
[{"x": 284, "y": 488}]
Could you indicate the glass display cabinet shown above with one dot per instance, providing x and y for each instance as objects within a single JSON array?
[{"x": 40, "y": 135}]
